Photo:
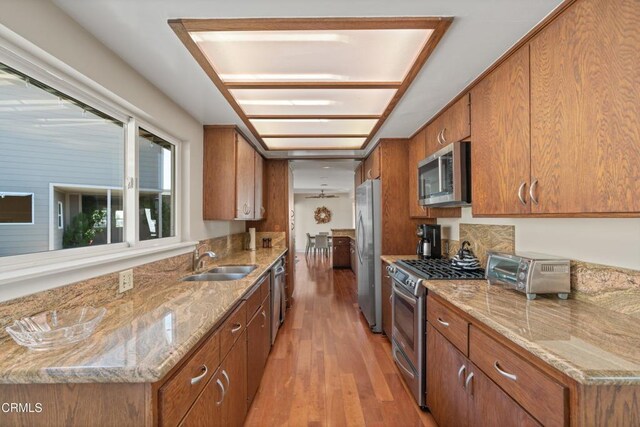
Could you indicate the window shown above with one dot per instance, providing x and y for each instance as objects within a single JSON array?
[
  {"x": 16, "y": 208},
  {"x": 60, "y": 216},
  {"x": 63, "y": 169},
  {"x": 156, "y": 201}
]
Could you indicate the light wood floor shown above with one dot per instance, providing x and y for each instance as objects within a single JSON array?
[{"x": 326, "y": 367}]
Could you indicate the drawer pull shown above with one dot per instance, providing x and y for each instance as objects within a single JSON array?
[
  {"x": 442, "y": 322},
  {"x": 226, "y": 377},
  {"x": 219, "y": 402},
  {"x": 196, "y": 380},
  {"x": 461, "y": 372},
  {"x": 503, "y": 373},
  {"x": 264, "y": 320},
  {"x": 236, "y": 327}
]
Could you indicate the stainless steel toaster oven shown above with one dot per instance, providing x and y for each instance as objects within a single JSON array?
[{"x": 530, "y": 273}]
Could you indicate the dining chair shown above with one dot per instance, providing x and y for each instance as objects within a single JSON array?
[
  {"x": 310, "y": 244},
  {"x": 322, "y": 244}
]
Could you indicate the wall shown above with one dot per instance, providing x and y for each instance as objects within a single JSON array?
[
  {"x": 341, "y": 215},
  {"x": 42, "y": 23},
  {"x": 608, "y": 241}
]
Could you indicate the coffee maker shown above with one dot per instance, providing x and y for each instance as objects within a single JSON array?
[{"x": 430, "y": 243}]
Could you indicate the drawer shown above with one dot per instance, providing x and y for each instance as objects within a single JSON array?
[
  {"x": 178, "y": 393},
  {"x": 258, "y": 293},
  {"x": 537, "y": 393},
  {"x": 232, "y": 328},
  {"x": 265, "y": 287},
  {"x": 341, "y": 241},
  {"x": 449, "y": 324}
]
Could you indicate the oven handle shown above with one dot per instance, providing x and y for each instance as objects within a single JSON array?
[
  {"x": 409, "y": 299},
  {"x": 404, "y": 368}
]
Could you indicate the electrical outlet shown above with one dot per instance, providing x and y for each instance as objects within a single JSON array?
[{"x": 126, "y": 280}]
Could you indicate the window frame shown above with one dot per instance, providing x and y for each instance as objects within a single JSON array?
[
  {"x": 33, "y": 207},
  {"x": 30, "y": 60},
  {"x": 60, "y": 215}
]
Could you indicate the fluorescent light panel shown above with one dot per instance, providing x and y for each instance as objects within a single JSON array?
[
  {"x": 320, "y": 127},
  {"x": 314, "y": 143}
]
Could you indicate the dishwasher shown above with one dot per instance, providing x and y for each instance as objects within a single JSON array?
[{"x": 278, "y": 297}]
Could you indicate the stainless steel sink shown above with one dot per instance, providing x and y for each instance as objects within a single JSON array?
[
  {"x": 245, "y": 269},
  {"x": 214, "y": 277}
]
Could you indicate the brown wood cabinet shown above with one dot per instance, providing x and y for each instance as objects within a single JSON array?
[
  {"x": 341, "y": 252},
  {"x": 387, "y": 304},
  {"x": 258, "y": 347},
  {"x": 260, "y": 210},
  {"x": 500, "y": 139},
  {"x": 372, "y": 165},
  {"x": 359, "y": 175},
  {"x": 453, "y": 125},
  {"x": 280, "y": 215},
  {"x": 585, "y": 110},
  {"x": 459, "y": 394},
  {"x": 232, "y": 182}
]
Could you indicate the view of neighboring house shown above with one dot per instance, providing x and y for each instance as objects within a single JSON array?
[{"x": 61, "y": 173}]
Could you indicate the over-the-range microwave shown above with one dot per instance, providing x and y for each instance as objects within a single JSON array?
[{"x": 444, "y": 178}]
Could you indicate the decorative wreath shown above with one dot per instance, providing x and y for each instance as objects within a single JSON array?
[{"x": 322, "y": 215}]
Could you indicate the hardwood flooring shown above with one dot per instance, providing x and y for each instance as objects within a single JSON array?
[{"x": 326, "y": 367}]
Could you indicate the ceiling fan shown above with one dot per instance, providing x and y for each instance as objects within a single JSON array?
[{"x": 323, "y": 196}]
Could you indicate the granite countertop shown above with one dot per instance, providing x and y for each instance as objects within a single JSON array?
[
  {"x": 343, "y": 232},
  {"x": 141, "y": 338},
  {"x": 588, "y": 342}
]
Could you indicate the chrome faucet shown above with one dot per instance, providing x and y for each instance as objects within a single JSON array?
[{"x": 199, "y": 259}]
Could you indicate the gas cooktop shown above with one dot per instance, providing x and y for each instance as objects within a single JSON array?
[{"x": 439, "y": 269}]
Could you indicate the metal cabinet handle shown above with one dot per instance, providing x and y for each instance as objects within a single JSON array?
[
  {"x": 505, "y": 374},
  {"x": 369, "y": 174},
  {"x": 469, "y": 381},
  {"x": 264, "y": 320},
  {"x": 532, "y": 191},
  {"x": 407, "y": 370},
  {"x": 461, "y": 372},
  {"x": 520, "y": 195},
  {"x": 219, "y": 402},
  {"x": 226, "y": 377},
  {"x": 444, "y": 139},
  {"x": 262, "y": 210},
  {"x": 442, "y": 322},
  {"x": 439, "y": 138},
  {"x": 236, "y": 327},
  {"x": 391, "y": 297},
  {"x": 196, "y": 380}
]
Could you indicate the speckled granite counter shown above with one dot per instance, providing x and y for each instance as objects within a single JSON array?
[
  {"x": 343, "y": 232},
  {"x": 588, "y": 342},
  {"x": 143, "y": 337}
]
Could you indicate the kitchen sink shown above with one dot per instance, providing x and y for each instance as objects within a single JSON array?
[
  {"x": 214, "y": 277},
  {"x": 245, "y": 269}
]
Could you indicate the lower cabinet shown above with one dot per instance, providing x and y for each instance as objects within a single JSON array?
[
  {"x": 459, "y": 394},
  {"x": 258, "y": 347},
  {"x": 341, "y": 252},
  {"x": 387, "y": 304},
  {"x": 224, "y": 400}
]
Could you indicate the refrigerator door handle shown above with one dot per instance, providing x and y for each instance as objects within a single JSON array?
[{"x": 360, "y": 238}]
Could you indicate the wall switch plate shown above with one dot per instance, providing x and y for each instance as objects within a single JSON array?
[{"x": 126, "y": 280}]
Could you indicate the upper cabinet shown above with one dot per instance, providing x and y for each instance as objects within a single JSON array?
[
  {"x": 585, "y": 110},
  {"x": 358, "y": 178},
  {"x": 232, "y": 176},
  {"x": 453, "y": 125},
  {"x": 372, "y": 165},
  {"x": 500, "y": 139}
]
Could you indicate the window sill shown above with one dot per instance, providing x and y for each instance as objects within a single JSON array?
[{"x": 28, "y": 280}]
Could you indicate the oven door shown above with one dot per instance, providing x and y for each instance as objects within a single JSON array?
[{"x": 406, "y": 314}]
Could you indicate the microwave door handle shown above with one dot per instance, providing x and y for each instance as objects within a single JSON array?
[{"x": 441, "y": 174}]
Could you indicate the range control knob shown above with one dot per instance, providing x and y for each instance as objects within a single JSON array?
[
  {"x": 411, "y": 282},
  {"x": 521, "y": 276},
  {"x": 391, "y": 269},
  {"x": 520, "y": 285}
]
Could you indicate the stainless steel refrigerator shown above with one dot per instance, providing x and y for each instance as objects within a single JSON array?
[{"x": 368, "y": 251}]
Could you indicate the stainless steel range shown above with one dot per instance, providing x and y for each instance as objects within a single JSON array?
[{"x": 408, "y": 336}]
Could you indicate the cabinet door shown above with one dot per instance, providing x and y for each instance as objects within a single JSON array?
[
  {"x": 387, "y": 321},
  {"x": 500, "y": 146},
  {"x": 372, "y": 165},
  {"x": 341, "y": 256},
  {"x": 258, "y": 187},
  {"x": 490, "y": 406},
  {"x": 256, "y": 356},
  {"x": 234, "y": 406},
  {"x": 446, "y": 396},
  {"x": 358, "y": 174},
  {"x": 245, "y": 159},
  {"x": 455, "y": 124},
  {"x": 585, "y": 110},
  {"x": 207, "y": 409}
]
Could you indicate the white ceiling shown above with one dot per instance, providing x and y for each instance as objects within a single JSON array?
[
  {"x": 309, "y": 175},
  {"x": 138, "y": 32}
]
